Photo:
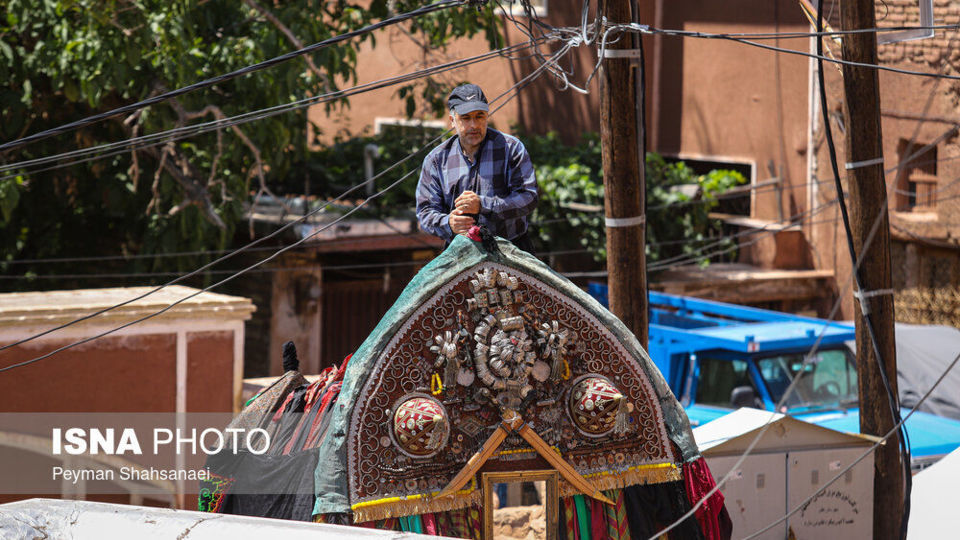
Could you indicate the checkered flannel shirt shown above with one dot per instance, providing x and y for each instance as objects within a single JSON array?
[{"x": 502, "y": 176}]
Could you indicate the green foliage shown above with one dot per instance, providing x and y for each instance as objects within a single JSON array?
[
  {"x": 334, "y": 169},
  {"x": 571, "y": 177},
  {"x": 62, "y": 60}
]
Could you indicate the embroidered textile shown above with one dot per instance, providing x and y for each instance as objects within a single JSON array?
[{"x": 712, "y": 515}]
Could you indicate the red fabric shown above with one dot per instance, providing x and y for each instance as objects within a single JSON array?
[
  {"x": 333, "y": 381},
  {"x": 598, "y": 521},
  {"x": 474, "y": 233},
  {"x": 712, "y": 515},
  {"x": 429, "y": 524},
  {"x": 279, "y": 414}
]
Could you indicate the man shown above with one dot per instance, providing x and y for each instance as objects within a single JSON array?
[{"x": 479, "y": 177}]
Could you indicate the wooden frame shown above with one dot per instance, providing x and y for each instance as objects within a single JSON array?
[{"x": 551, "y": 504}]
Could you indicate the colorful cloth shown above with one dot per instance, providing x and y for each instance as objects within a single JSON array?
[
  {"x": 712, "y": 515},
  {"x": 598, "y": 520},
  {"x": 617, "y": 528},
  {"x": 583, "y": 517}
]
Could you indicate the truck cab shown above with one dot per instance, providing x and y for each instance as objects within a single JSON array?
[{"x": 718, "y": 357}]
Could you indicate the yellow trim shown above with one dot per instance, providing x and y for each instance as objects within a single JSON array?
[
  {"x": 566, "y": 372},
  {"x": 525, "y": 450},
  {"x": 516, "y": 451},
  {"x": 436, "y": 384},
  {"x": 650, "y": 467},
  {"x": 388, "y": 500}
]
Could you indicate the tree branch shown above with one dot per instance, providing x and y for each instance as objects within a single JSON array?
[{"x": 293, "y": 40}]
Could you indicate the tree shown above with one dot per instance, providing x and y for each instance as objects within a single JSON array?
[{"x": 62, "y": 60}]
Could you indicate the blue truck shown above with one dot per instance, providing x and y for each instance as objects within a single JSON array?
[{"x": 717, "y": 357}]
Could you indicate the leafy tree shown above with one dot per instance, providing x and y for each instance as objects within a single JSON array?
[
  {"x": 571, "y": 181},
  {"x": 62, "y": 60}
]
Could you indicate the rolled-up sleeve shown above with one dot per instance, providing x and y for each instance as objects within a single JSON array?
[
  {"x": 523, "y": 196},
  {"x": 431, "y": 212}
]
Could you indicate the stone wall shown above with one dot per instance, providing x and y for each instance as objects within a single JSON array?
[{"x": 943, "y": 46}]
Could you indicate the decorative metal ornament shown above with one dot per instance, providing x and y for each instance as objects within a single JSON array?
[
  {"x": 597, "y": 407},
  {"x": 421, "y": 426},
  {"x": 509, "y": 349}
]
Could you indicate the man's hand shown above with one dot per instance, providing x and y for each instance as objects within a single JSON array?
[
  {"x": 468, "y": 202},
  {"x": 459, "y": 223}
]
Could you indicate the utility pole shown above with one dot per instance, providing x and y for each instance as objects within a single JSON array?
[
  {"x": 623, "y": 175},
  {"x": 868, "y": 203}
]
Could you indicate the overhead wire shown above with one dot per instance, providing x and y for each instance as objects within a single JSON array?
[
  {"x": 856, "y": 263},
  {"x": 893, "y": 400},
  {"x": 93, "y": 119},
  {"x": 893, "y": 431},
  {"x": 704, "y": 35},
  {"x": 808, "y": 357},
  {"x": 242, "y": 249},
  {"x": 516, "y": 86},
  {"x": 769, "y": 228},
  {"x": 800, "y": 35},
  {"x": 156, "y": 139}
]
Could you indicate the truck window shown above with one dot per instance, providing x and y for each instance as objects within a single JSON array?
[
  {"x": 827, "y": 379},
  {"x": 718, "y": 378}
]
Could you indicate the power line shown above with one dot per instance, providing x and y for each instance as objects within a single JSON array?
[
  {"x": 685, "y": 33},
  {"x": 856, "y": 262},
  {"x": 156, "y": 139},
  {"x": 792, "y": 220},
  {"x": 184, "y": 299},
  {"x": 517, "y": 86},
  {"x": 870, "y": 450},
  {"x": 783, "y": 399},
  {"x": 442, "y": 4},
  {"x": 797, "y": 35}
]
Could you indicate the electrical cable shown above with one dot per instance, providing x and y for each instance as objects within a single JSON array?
[
  {"x": 163, "y": 137},
  {"x": 684, "y": 33},
  {"x": 402, "y": 263},
  {"x": 780, "y": 404},
  {"x": 184, "y": 299},
  {"x": 221, "y": 259},
  {"x": 799, "y": 35},
  {"x": 792, "y": 220},
  {"x": 894, "y": 430},
  {"x": 892, "y": 400},
  {"x": 517, "y": 86},
  {"x": 129, "y": 257},
  {"x": 430, "y": 8},
  {"x": 855, "y": 268}
]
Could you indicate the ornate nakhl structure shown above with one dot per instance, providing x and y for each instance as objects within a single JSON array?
[{"x": 490, "y": 362}]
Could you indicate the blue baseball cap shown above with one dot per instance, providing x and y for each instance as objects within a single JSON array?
[{"x": 467, "y": 98}]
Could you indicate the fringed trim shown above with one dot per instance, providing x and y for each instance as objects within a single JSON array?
[
  {"x": 415, "y": 504},
  {"x": 656, "y": 473}
]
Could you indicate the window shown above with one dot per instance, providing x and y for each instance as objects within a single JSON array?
[
  {"x": 402, "y": 127},
  {"x": 718, "y": 378},
  {"x": 827, "y": 379},
  {"x": 738, "y": 200},
  {"x": 916, "y": 184}
]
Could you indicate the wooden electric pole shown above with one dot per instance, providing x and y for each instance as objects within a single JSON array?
[
  {"x": 623, "y": 177},
  {"x": 868, "y": 203}
]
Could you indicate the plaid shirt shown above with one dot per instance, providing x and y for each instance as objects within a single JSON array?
[{"x": 502, "y": 176}]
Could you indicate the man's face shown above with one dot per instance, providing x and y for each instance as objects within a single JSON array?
[{"x": 471, "y": 127}]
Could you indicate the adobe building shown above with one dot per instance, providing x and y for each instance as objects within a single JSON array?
[
  {"x": 187, "y": 359},
  {"x": 720, "y": 103}
]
